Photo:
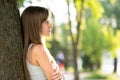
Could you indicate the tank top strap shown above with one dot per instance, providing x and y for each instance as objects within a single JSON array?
[{"x": 29, "y": 47}]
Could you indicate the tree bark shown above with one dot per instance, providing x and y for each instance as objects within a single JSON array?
[
  {"x": 115, "y": 65},
  {"x": 10, "y": 41}
]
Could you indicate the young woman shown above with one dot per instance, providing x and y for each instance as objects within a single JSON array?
[{"x": 38, "y": 62}]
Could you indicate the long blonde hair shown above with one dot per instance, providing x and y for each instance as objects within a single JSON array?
[{"x": 31, "y": 20}]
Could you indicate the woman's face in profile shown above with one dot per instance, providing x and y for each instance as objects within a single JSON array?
[{"x": 46, "y": 28}]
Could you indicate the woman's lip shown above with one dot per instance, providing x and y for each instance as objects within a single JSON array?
[{"x": 50, "y": 30}]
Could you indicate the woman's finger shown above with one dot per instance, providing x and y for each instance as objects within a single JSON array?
[{"x": 56, "y": 75}]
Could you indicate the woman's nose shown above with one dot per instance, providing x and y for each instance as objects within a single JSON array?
[{"x": 50, "y": 25}]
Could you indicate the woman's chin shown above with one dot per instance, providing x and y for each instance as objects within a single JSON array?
[{"x": 48, "y": 35}]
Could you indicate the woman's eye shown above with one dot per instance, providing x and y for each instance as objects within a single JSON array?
[{"x": 46, "y": 21}]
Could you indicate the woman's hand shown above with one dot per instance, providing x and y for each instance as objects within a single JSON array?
[{"x": 57, "y": 75}]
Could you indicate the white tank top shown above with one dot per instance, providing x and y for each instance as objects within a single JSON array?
[{"x": 36, "y": 72}]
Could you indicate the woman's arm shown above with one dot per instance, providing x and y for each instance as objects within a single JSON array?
[
  {"x": 43, "y": 60},
  {"x": 57, "y": 75}
]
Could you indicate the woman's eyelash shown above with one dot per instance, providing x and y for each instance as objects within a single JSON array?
[{"x": 47, "y": 21}]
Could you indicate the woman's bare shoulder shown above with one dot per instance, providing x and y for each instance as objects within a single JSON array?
[{"x": 37, "y": 48}]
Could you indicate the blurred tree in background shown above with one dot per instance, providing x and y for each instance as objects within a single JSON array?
[
  {"x": 92, "y": 45},
  {"x": 111, "y": 20},
  {"x": 76, "y": 38},
  {"x": 92, "y": 42}
]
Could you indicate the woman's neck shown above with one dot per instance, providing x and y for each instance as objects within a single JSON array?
[{"x": 43, "y": 40}]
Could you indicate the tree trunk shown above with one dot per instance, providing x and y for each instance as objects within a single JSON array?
[
  {"x": 115, "y": 58},
  {"x": 10, "y": 41},
  {"x": 115, "y": 65},
  {"x": 76, "y": 72},
  {"x": 74, "y": 49}
]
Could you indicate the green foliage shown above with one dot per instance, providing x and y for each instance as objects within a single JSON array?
[
  {"x": 113, "y": 77},
  {"x": 112, "y": 9},
  {"x": 95, "y": 8},
  {"x": 54, "y": 47},
  {"x": 108, "y": 7},
  {"x": 63, "y": 30},
  {"x": 96, "y": 75},
  {"x": 92, "y": 35},
  {"x": 108, "y": 37},
  {"x": 92, "y": 44},
  {"x": 112, "y": 43},
  {"x": 116, "y": 11},
  {"x": 112, "y": 1},
  {"x": 78, "y": 5},
  {"x": 20, "y": 2}
]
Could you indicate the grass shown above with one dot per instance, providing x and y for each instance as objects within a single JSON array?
[{"x": 98, "y": 75}]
